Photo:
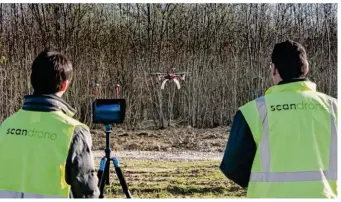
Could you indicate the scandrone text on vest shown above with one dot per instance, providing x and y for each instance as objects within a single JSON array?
[
  {"x": 32, "y": 133},
  {"x": 297, "y": 106}
]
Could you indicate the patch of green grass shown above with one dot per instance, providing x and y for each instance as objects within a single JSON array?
[{"x": 156, "y": 179}]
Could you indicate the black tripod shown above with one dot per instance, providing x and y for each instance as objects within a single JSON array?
[{"x": 104, "y": 170}]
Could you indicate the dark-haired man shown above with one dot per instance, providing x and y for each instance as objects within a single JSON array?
[
  {"x": 284, "y": 144},
  {"x": 45, "y": 153}
]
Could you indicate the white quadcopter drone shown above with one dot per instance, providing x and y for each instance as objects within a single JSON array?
[{"x": 170, "y": 75}]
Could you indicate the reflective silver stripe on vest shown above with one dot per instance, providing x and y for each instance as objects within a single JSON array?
[
  {"x": 292, "y": 176},
  {"x": 264, "y": 143},
  {"x": 264, "y": 147},
  {"x": 13, "y": 194},
  {"x": 333, "y": 143}
]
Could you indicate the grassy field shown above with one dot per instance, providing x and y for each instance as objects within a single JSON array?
[{"x": 159, "y": 179}]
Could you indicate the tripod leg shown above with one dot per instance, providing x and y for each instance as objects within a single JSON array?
[
  {"x": 104, "y": 171},
  {"x": 121, "y": 178},
  {"x": 101, "y": 176},
  {"x": 107, "y": 154},
  {"x": 107, "y": 172}
]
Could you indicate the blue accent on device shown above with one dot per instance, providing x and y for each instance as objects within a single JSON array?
[
  {"x": 115, "y": 161},
  {"x": 107, "y": 128},
  {"x": 102, "y": 164}
]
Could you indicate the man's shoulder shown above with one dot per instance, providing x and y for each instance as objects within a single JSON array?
[
  {"x": 331, "y": 98},
  {"x": 251, "y": 103},
  {"x": 9, "y": 118},
  {"x": 327, "y": 97},
  {"x": 82, "y": 129},
  {"x": 83, "y": 133},
  {"x": 73, "y": 121}
]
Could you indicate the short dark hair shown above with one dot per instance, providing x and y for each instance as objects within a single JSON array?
[
  {"x": 49, "y": 70},
  {"x": 290, "y": 59}
]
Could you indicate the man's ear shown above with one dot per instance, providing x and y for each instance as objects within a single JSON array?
[
  {"x": 64, "y": 86},
  {"x": 306, "y": 70},
  {"x": 274, "y": 71}
]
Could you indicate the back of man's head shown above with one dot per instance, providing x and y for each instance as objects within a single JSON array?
[
  {"x": 290, "y": 59},
  {"x": 49, "y": 70}
]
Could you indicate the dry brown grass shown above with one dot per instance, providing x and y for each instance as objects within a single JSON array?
[
  {"x": 193, "y": 179},
  {"x": 174, "y": 139}
]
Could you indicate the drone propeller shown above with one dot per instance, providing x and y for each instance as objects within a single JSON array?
[
  {"x": 157, "y": 73},
  {"x": 181, "y": 73}
]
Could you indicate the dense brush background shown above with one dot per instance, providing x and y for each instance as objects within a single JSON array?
[{"x": 225, "y": 47}]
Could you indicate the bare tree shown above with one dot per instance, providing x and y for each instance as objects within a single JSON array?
[{"x": 225, "y": 47}]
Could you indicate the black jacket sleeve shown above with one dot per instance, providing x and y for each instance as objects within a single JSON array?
[
  {"x": 80, "y": 168},
  {"x": 239, "y": 153}
]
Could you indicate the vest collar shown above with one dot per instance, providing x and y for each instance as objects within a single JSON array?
[
  {"x": 293, "y": 80},
  {"x": 48, "y": 102},
  {"x": 294, "y": 85}
]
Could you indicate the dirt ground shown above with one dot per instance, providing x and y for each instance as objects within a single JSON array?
[
  {"x": 171, "y": 163},
  {"x": 167, "y": 140}
]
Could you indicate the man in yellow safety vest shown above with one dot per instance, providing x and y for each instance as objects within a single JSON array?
[
  {"x": 45, "y": 153},
  {"x": 284, "y": 144}
]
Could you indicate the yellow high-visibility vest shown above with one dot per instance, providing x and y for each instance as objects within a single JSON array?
[
  {"x": 34, "y": 147},
  {"x": 295, "y": 130}
]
